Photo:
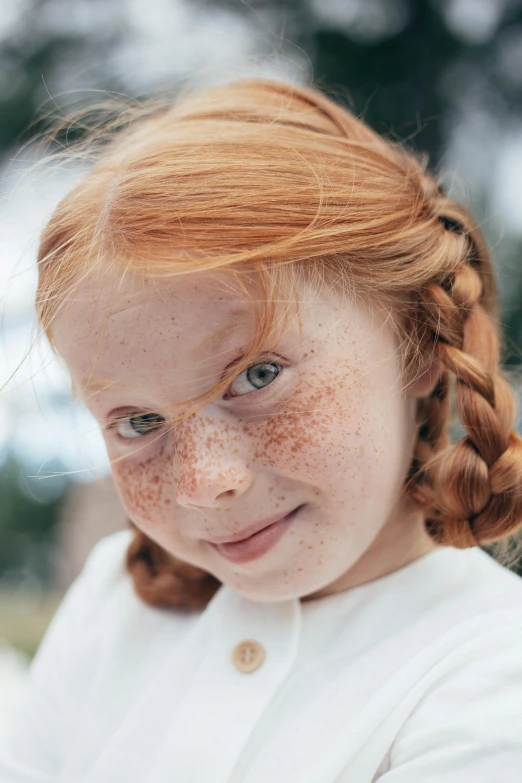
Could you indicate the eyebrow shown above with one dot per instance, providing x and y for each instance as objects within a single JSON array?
[
  {"x": 208, "y": 344},
  {"x": 211, "y": 343},
  {"x": 98, "y": 385}
]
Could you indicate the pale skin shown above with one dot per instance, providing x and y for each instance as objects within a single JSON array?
[{"x": 333, "y": 431}]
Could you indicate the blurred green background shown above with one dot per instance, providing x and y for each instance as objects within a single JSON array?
[{"x": 446, "y": 77}]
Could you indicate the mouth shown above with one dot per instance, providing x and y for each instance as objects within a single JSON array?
[
  {"x": 252, "y": 529},
  {"x": 259, "y": 542}
]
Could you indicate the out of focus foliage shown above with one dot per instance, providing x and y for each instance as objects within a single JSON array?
[
  {"x": 410, "y": 67},
  {"x": 28, "y": 518},
  {"x": 49, "y": 39}
]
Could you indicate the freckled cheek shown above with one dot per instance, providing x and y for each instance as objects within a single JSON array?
[
  {"x": 146, "y": 489},
  {"x": 318, "y": 433}
]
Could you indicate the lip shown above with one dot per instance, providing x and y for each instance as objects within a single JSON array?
[
  {"x": 259, "y": 543},
  {"x": 251, "y": 530}
]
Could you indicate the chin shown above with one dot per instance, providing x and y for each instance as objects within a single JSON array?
[{"x": 266, "y": 594}]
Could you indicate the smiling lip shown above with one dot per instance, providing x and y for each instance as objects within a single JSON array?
[
  {"x": 257, "y": 544},
  {"x": 250, "y": 530}
]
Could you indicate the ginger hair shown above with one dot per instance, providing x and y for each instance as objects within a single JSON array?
[{"x": 282, "y": 181}]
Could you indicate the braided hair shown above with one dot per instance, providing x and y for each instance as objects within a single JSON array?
[{"x": 471, "y": 489}]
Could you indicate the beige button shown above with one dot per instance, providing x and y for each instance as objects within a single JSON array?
[{"x": 248, "y": 655}]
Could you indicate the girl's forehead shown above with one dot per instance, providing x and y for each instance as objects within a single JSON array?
[
  {"x": 188, "y": 307},
  {"x": 112, "y": 328},
  {"x": 135, "y": 333},
  {"x": 131, "y": 304}
]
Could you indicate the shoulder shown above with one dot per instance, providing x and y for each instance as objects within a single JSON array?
[
  {"x": 104, "y": 569},
  {"x": 110, "y": 549},
  {"x": 98, "y": 621},
  {"x": 492, "y": 588},
  {"x": 479, "y": 613},
  {"x": 484, "y": 564},
  {"x": 102, "y": 607},
  {"x": 467, "y": 725},
  {"x": 467, "y": 585},
  {"x": 104, "y": 594},
  {"x": 106, "y": 561},
  {"x": 103, "y": 574}
]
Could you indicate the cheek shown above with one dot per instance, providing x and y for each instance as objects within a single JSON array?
[
  {"x": 319, "y": 421},
  {"x": 145, "y": 487},
  {"x": 338, "y": 434}
]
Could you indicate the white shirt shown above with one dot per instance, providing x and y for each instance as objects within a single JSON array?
[
  {"x": 415, "y": 677},
  {"x": 13, "y": 672}
]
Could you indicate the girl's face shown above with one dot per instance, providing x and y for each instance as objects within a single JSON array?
[{"x": 319, "y": 426}]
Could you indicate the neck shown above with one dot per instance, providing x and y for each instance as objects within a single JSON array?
[{"x": 401, "y": 540}]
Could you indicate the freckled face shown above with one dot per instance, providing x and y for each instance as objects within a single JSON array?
[{"x": 319, "y": 422}]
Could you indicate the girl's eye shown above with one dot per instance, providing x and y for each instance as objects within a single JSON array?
[
  {"x": 258, "y": 376},
  {"x": 253, "y": 378},
  {"x": 135, "y": 426}
]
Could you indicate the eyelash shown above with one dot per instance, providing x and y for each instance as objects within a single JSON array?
[
  {"x": 112, "y": 426},
  {"x": 260, "y": 360}
]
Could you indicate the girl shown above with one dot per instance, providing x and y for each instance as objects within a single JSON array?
[{"x": 266, "y": 306}]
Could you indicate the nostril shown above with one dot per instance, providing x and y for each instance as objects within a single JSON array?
[
  {"x": 205, "y": 485},
  {"x": 228, "y": 493}
]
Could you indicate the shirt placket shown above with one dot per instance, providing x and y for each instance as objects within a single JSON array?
[{"x": 251, "y": 647}]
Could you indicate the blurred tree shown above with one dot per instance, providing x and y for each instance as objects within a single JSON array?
[
  {"x": 47, "y": 36},
  {"x": 28, "y": 518},
  {"x": 405, "y": 65},
  {"x": 409, "y": 66}
]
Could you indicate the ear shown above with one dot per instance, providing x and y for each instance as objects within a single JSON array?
[{"x": 426, "y": 378}]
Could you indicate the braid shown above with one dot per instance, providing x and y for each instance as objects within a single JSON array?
[
  {"x": 472, "y": 489},
  {"x": 160, "y": 579}
]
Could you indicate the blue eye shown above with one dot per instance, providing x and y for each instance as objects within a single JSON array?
[
  {"x": 129, "y": 427},
  {"x": 258, "y": 376}
]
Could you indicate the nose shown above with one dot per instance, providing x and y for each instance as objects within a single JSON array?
[{"x": 212, "y": 462}]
